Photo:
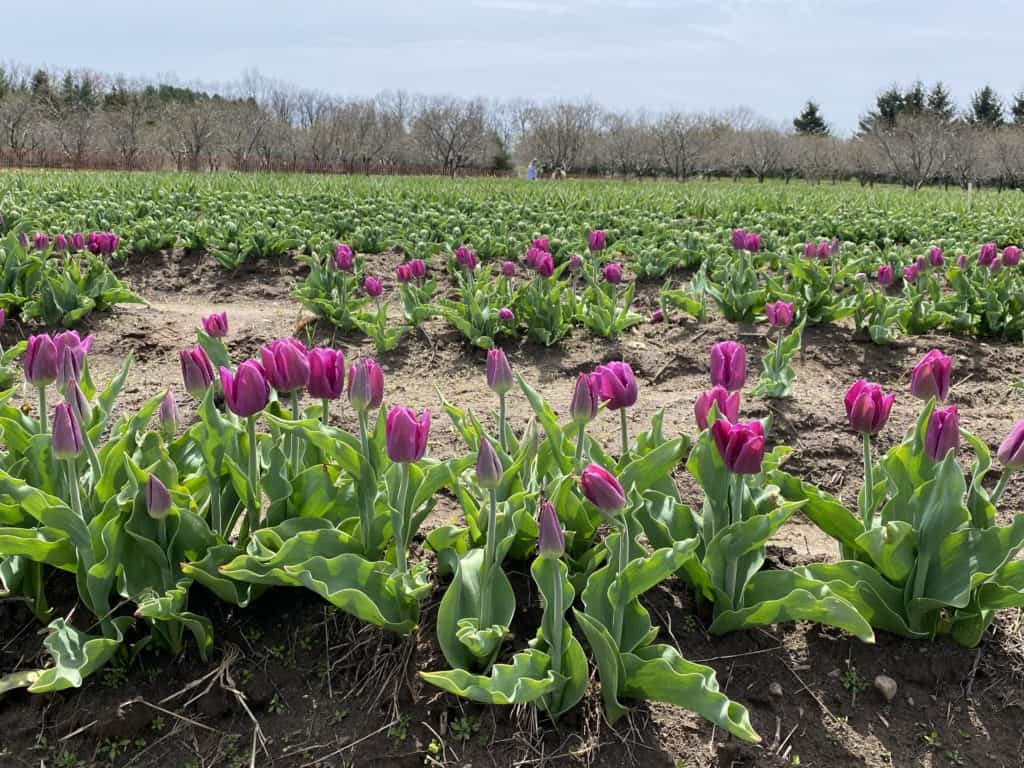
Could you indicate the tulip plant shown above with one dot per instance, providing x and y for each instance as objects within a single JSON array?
[
  {"x": 777, "y": 379},
  {"x": 330, "y": 290}
]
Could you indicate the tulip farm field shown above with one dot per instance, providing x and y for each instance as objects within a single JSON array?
[{"x": 309, "y": 471}]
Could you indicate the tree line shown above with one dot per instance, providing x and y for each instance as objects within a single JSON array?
[{"x": 913, "y": 135}]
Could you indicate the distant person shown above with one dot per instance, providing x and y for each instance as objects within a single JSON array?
[{"x": 531, "y": 170}]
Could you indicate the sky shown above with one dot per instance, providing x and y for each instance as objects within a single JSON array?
[{"x": 656, "y": 55}]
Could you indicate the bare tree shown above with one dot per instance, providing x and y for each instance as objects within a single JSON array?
[
  {"x": 683, "y": 142},
  {"x": 451, "y": 132},
  {"x": 915, "y": 148},
  {"x": 558, "y": 133}
]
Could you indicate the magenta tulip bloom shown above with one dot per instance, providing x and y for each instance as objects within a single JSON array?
[
  {"x": 987, "y": 254},
  {"x": 41, "y": 241},
  {"x": 935, "y": 256},
  {"x": 867, "y": 407},
  {"x": 550, "y": 538},
  {"x": 617, "y": 385},
  {"x": 780, "y": 314},
  {"x": 574, "y": 262},
  {"x": 216, "y": 325},
  {"x": 910, "y": 273},
  {"x": 739, "y": 239},
  {"x": 596, "y": 240},
  {"x": 158, "y": 498},
  {"x": 728, "y": 365},
  {"x": 67, "y": 435},
  {"x": 403, "y": 273},
  {"x": 60, "y": 243},
  {"x": 943, "y": 433},
  {"x": 740, "y": 445},
  {"x": 921, "y": 264},
  {"x": 418, "y": 268},
  {"x": 326, "y": 373},
  {"x": 488, "y": 466},
  {"x": 834, "y": 246},
  {"x": 728, "y": 406},
  {"x": 811, "y": 250},
  {"x": 196, "y": 371},
  {"x": 1011, "y": 450},
  {"x": 373, "y": 287},
  {"x": 586, "y": 396},
  {"x": 996, "y": 266},
  {"x": 168, "y": 414},
  {"x": 1011, "y": 256},
  {"x": 602, "y": 489},
  {"x": 541, "y": 243},
  {"x": 406, "y": 435},
  {"x": 247, "y": 391},
  {"x": 931, "y": 375},
  {"x": 465, "y": 258},
  {"x": 753, "y": 243},
  {"x": 285, "y": 364},
  {"x": 961, "y": 261},
  {"x": 41, "y": 360},
  {"x": 71, "y": 352},
  {"x": 78, "y": 241},
  {"x": 545, "y": 264},
  {"x": 3, "y": 317},
  {"x": 658, "y": 315},
  {"x": 344, "y": 259},
  {"x": 531, "y": 257},
  {"x": 508, "y": 268},
  {"x": 499, "y": 372},
  {"x": 613, "y": 273},
  {"x": 505, "y": 314},
  {"x": 365, "y": 385},
  {"x": 824, "y": 250},
  {"x": 884, "y": 276}
]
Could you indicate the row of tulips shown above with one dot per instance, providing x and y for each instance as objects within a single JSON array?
[{"x": 260, "y": 493}]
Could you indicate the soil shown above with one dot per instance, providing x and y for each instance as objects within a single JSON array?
[{"x": 294, "y": 683}]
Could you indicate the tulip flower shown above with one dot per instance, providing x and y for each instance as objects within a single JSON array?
[
  {"x": 884, "y": 276},
  {"x": 739, "y": 239},
  {"x": 326, "y": 376},
  {"x": 23, "y": 240},
  {"x": 921, "y": 264},
  {"x": 403, "y": 273},
  {"x": 506, "y": 315},
  {"x": 531, "y": 257},
  {"x": 753, "y": 243},
  {"x": 586, "y": 396},
  {"x": 942, "y": 434},
  {"x": 41, "y": 241},
  {"x": 465, "y": 258},
  {"x": 365, "y": 385},
  {"x": 575, "y": 262},
  {"x": 602, "y": 489},
  {"x": 728, "y": 365},
  {"x": 741, "y": 445},
  {"x": 658, "y": 315},
  {"x": 867, "y": 407},
  {"x": 545, "y": 264},
  {"x": 930, "y": 377},
  {"x": 71, "y": 352},
  {"x": 596, "y": 240},
  {"x": 373, "y": 287},
  {"x": 1011, "y": 256},
  {"x": 60, "y": 243},
  {"x": 508, "y": 268},
  {"x": 834, "y": 246},
  {"x": 67, "y": 435},
  {"x": 344, "y": 258},
  {"x": 780, "y": 314},
  {"x": 811, "y": 250},
  {"x": 158, "y": 498},
  {"x": 500, "y": 380},
  {"x": 1011, "y": 456},
  {"x": 78, "y": 241},
  {"x": 247, "y": 391},
  {"x": 216, "y": 325},
  {"x": 41, "y": 369},
  {"x": 196, "y": 371},
  {"x": 910, "y": 274},
  {"x": 961, "y": 261},
  {"x": 82, "y": 411},
  {"x": 550, "y": 538},
  {"x": 488, "y": 466},
  {"x": 987, "y": 254},
  {"x": 613, "y": 273},
  {"x": 935, "y": 256},
  {"x": 418, "y": 268},
  {"x": 824, "y": 250},
  {"x": 618, "y": 388},
  {"x": 286, "y": 369},
  {"x": 541, "y": 243},
  {"x": 168, "y": 414},
  {"x": 406, "y": 435},
  {"x": 728, "y": 406}
]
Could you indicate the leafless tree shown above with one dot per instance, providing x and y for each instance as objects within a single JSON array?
[
  {"x": 450, "y": 131},
  {"x": 914, "y": 149}
]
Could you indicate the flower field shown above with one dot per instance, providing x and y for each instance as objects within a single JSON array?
[{"x": 304, "y": 471}]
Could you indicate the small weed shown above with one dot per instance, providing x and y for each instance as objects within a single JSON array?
[
  {"x": 277, "y": 705},
  {"x": 399, "y": 732},
  {"x": 157, "y": 724},
  {"x": 465, "y": 727},
  {"x": 853, "y": 681},
  {"x": 115, "y": 676},
  {"x": 68, "y": 760},
  {"x": 110, "y": 749}
]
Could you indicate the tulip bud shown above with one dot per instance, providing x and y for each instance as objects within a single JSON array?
[
  {"x": 505, "y": 314},
  {"x": 930, "y": 377},
  {"x": 465, "y": 258},
  {"x": 67, "y": 435},
  {"x": 373, "y": 287},
  {"x": 488, "y": 466},
  {"x": 196, "y": 371},
  {"x": 499, "y": 372},
  {"x": 541, "y": 243},
  {"x": 728, "y": 365},
  {"x": 961, "y": 261},
  {"x": 406, "y": 435},
  {"x": 365, "y": 385},
  {"x": 550, "y": 538},
  {"x": 834, "y": 246},
  {"x": 344, "y": 259},
  {"x": 585, "y": 398},
  {"x": 596, "y": 240},
  {"x": 658, "y": 315},
  {"x": 824, "y": 251},
  {"x": 935, "y": 256},
  {"x": 780, "y": 314},
  {"x": 247, "y": 391},
  {"x": 810, "y": 250},
  {"x": 403, "y": 274},
  {"x": 158, "y": 498},
  {"x": 996, "y": 265},
  {"x": 285, "y": 365},
  {"x": 216, "y": 325},
  {"x": 739, "y": 239},
  {"x": 740, "y": 445},
  {"x": 508, "y": 268},
  {"x": 617, "y": 385},
  {"x": 168, "y": 414},
  {"x": 728, "y": 406},
  {"x": 574, "y": 262},
  {"x": 41, "y": 241},
  {"x": 1011, "y": 450},
  {"x": 531, "y": 257},
  {"x": 602, "y": 489},
  {"x": 910, "y": 274},
  {"x": 884, "y": 276},
  {"x": 60, "y": 243},
  {"x": 3, "y": 317},
  {"x": 23, "y": 240},
  {"x": 78, "y": 241},
  {"x": 867, "y": 407},
  {"x": 418, "y": 269},
  {"x": 545, "y": 264},
  {"x": 1011, "y": 256},
  {"x": 40, "y": 360},
  {"x": 613, "y": 273},
  {"x": 753, "y": 243},
  {"x": 326, "y": 373},
  {"x": 921, "y": 264},
  {"x": 943, "y": 433},
  {"x": 987, "y": 254},
  {"x": 71, "y": 352},
  {"x": 79, "y": 403}
]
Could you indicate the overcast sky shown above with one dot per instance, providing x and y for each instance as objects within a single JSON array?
[{"x": 769, "y": 55}]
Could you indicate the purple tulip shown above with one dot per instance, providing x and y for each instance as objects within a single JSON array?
[
  {"x": 943, "y": 433},
  {"x": 196, "y": 371},
  {"x": 811, "y": 250},
  {"x": 508, "y": 268},
  {"x": 728, "y": 365},
  {"x": 168, "y": 414},
  {"x": 834, "y": 247},
  {"x": 103, "y": 242},
  {"x": 602, "y": 489},
  {"x": 216, "y": 325},
  {"x": 344, "y": 259},
  {"x": 373, "y": 287},
  {"x": 499, "y": 372},
  {"x": 613, "y": 273},
  {"x": 78, "y": 241},
  {"x": 728, "y": 406},
  {"x": 531, "y": 257},
  {"x": 3, "y": 317},
  {"x": 403, "y": 273},
  {"x": 505, "y": 314},
  {"x": 1011, "y": 450},
  {"x": 158, "y": 498},
  {"x": 465, "y": 258},
  {"x": 326, "y": 373},
  {"x": 23, "y": 240},
  {"x": 67, "y": 435},
  {"x": 60, "y": 243},
  {"x": 1011, "y": 256},
  {"x": 574, "y": 262},
  {"x": 80, "y": 405},
  {"x": 996, "y": 265},
  {"x": 365, "y": 385},
  {"x": 406, "y": 435},
  {"x": 247, "y": 391},
  {"x": 824, "y": 250},
  {"x": 780, "y": 314},
  {"x": 910, "y": 273},
  {"x": 987, "y": 254},
  {"x": 541, "y": 244},
  {"x": 41, "y": 360},
  {"x": 740, "y": 445},
  {"x": 658, "y": 315},
  {"x": 550, "y": 538},
  {"x": 739, "y": 239},
  {"x": 867, "y": 407},
  {"x": 545, "y": 264},
  {"x": 961, "y": 261},
  {"x": 418, "y": 268},
  {"x": 596, "y": 240},
  {"x": 488, "y": 466},
  {"x": 285, "y": 364},
  {"x": 41, "y": 241},
  {"x": 586, "y": 396},
  {"x": 921, "y": 264},
  {"x": 884, "y": 275},
  {"x": 930, "y": 377},
  {"x": 935, "y": 256},
  {"x": 617, "y": 385},
  {"x": 753, "y": 243}
]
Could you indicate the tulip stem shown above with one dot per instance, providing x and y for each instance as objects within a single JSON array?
[
  {"x": 161, "y": 533},
  {"x": 74, "y": 491},
  {"x": 1000, "y": 486},
  {"x": 624, "y": 427},
  {"x": 620, "y": 607},
  {"x": 398, "y": 519},
  {"x": 293, "y": 435},
  {"x": 735, "y": 517},
  {"x": 490, "y": 555},
  {"x": 501, "y": 422},
  {"x": 868, "y": 512},
  {"x": 579, "y": 446},
  {"x": 778, "y": 350},
  {"x": 555, "y": 641},
  {"x": 255, "y": 496},
  {"x": 325, "y": 411},
  {"x": 43, "y": 416},
  {"x": 216, "y": 513}
]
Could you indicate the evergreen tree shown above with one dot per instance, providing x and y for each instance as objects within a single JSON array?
[
  {"x": 810, "y": 122},
  {"x": 41, "y": 84},
  {"x": 986, "y": 109},
  {"x": 940, "y": 102},
  {"x": 888, "y": 105},
  {"x": 1017, "y": 109},
  {"x": 915, "y": 100}
]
